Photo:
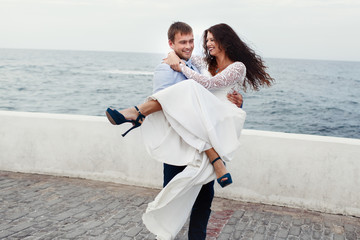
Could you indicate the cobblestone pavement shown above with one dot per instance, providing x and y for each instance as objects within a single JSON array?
[{"x": 47, "y": 207}]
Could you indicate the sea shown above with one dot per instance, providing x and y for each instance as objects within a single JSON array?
[{"x": 313, "y": 97}]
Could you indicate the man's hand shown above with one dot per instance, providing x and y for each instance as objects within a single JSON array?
[{"x": 236, "y": 98}]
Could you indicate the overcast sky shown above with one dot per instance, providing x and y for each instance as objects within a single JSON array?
[{"x": 307, "y": 29}]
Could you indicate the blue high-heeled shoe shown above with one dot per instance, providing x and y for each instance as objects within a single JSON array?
[
  {"x": 117, "y": 118},
  {"x": 223, "y": 183}
]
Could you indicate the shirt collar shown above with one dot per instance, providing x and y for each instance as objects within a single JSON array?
[{"x": 188, "y": 62}]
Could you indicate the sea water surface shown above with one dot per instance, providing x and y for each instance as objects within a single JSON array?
[{"x": 309, "y": 96}]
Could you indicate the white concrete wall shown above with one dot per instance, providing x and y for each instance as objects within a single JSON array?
[{"x": 311, "y": 172}]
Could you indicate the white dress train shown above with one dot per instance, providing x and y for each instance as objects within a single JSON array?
[{"x": 193, "y": 119}]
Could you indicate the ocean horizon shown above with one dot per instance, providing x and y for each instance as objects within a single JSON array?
[{"x": 317, "y": 97}]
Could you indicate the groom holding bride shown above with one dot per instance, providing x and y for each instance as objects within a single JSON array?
[
  {"x": 193, "y": 124},
  {"x": 181, "y": 40}
]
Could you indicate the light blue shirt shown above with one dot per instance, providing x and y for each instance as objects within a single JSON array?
[{"x": 165, "y": 77}]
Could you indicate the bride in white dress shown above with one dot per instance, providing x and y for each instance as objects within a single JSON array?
[{"x": 193, "y": 117}]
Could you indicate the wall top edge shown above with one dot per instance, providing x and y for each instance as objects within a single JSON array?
[
  {"x": 245, "y": 132},
  {"x": 54, "y": 116},
  {"x": 297, "y": 136}
]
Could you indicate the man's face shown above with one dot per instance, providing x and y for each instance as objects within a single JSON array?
[{"x": 183, "y": 45}]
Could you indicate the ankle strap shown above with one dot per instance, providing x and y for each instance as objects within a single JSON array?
[
  {"x": 141, "y": 116},
  {"x": 138, "y": 110},
  {"x": 213, "y": 161}
]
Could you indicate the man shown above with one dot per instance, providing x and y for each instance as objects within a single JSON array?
[{"x": 181, "y": 40}]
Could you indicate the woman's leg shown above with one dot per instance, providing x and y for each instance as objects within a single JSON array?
[
  {"x": 152, "y": 106},
  {"x": 145, "y": 108},
  {"x": 219, "y": 167}
]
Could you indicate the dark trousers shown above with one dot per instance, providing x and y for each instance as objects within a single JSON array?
[{"x": 201, "y": 210}]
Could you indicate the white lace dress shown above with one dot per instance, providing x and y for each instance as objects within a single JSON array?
[{"x": 196, "y": 116}]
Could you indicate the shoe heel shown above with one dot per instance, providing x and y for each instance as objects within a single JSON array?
[
  {"x": 133, "y": 127},
  {"x": 124, "y": 134}
]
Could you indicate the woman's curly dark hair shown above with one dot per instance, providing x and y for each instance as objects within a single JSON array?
[{"x": 237, "y": 50}]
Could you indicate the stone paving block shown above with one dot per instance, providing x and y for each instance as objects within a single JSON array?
[
  {"x": 307, "y": 221},
  {"x": 306, "y": 229},
  {"x": 36, "y": 213},
  {"x": 248, "y": 233},
  {"x": 316, "y": 235},
  {"x": 126, "y": 238},
  {"x": 328, "y": 224},
  {"x": 63, "y": 215},
  {"x": 287, "y": 218},
  {"x": 350, "y": 236},
  {"x": 98, "y": 207},
  {"x": 295, "y": 231},
  {"x": 138, "y": 201},
  {"x": 317, "y": 227},
  {"x": 253, "y": 224},
  {"x": 120, "y": 215},
  {"x": 298, "y": 222},
  {"x": 305, "y": 237},
  {"x": 241, "y": 226},
  {"x": 4, "y": 226},
  {"x": 125, "y": 220},
  {"x": 92, "y": 224},
  {"x": 232, "y": 221},
  {"x": 16, "y": 215},
  {"x": 85, "y": 214},
  {"x": 276, "y": 219},
  {"x": 270, "y": 237},
  {"x": 327, "y": 231},
  {"x": 133, "y": 231},
  {"x": 224, "y": 236},
  {"x": 259, "y": 236},
  {"x": 339, "y": 237},
  {"x": 349, "y": 227},
  {"x": 114, "y": 205},
  {"x": 54, "y": 202},
  {"x": 20, "y": 227},
  {"x": 238, "y": 213},
  {"x": 261, "y": 229},
  {"x": 237, "y": 234},
  {"x": 283, "y": 233},
  {"x": 285, "y": 225},
  {"x": 245, "y": 219},
  {"x": 75, "y": 233},
  {"x": 137, "y": 218},
  {"x": 23, "y": 234},
  {"x": 228, "y": 229},
  {"x": 258, "y": 216},
  {"x": 109, "y": 223},
  {"x": 265, "y": 221},
  {"x": 293, "y": 238},
  {"x": 52, "y": 235},
  {"x": 273, "y": 227},
  {"x": 96, "y": 232},
  {"x": 70, "y": 227},
  {"x": 5, "y": 233}
]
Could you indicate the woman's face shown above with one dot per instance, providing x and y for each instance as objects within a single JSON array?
[{"x": 212, "y": 45}]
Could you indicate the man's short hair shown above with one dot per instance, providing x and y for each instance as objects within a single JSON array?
[{"x": 180, "y": 27}]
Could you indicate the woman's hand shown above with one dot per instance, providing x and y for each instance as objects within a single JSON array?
[
  {"x": 236, "y": 98},
  {"x": 174, "y": 61}
]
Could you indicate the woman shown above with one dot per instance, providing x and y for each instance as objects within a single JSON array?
[{"x": 198, "y": 114}]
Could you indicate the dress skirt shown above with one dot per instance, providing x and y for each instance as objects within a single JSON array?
[{"x": 192, "y": 120}]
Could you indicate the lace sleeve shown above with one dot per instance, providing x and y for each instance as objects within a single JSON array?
[
  {"x": 234, "y": 74},
  {"x": 199, "y": 62}
]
